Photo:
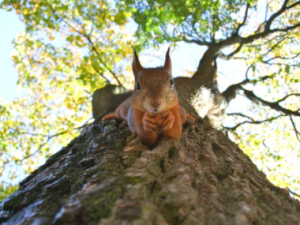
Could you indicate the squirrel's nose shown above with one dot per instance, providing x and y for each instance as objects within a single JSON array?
[{"x": 155, "y": 104}]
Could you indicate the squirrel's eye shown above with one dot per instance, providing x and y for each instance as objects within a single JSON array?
[
  {"x": 172, "y": 83},
  {"x": 137, "y": 86}
]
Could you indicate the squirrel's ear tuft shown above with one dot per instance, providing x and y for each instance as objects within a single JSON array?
[
  {"x": 136, "y": 65},
  {"x": 168, "y": 64}
]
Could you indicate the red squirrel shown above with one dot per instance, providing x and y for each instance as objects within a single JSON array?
[{"x": 153, "y": 107}]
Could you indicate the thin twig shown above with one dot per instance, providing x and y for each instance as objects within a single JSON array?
[
  {"x": 245, "y": 18},
  {"x": 49, "y": 137},
  {"x": 252, "y": 121},
  {"x": 295, "y": 128},
  {"x": 283, "y": 58},
  {"x": 293, "y": 193},
  {"x": 91, "y": 43}
]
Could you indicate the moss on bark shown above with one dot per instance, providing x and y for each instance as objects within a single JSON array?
[{"x": 106, "y": 176}]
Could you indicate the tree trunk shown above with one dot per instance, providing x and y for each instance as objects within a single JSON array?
[{"x": 106, "y": 176}]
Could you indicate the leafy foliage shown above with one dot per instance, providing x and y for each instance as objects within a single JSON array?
[
  {"x": 71, "y": 48},
  {"x": 168, "y": 20},
  {"x": 67, "y": 51}
]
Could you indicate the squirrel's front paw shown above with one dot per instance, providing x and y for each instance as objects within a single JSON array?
[
  {"x": 149, "y": 123},
  {"x": 169, "y": 120}
]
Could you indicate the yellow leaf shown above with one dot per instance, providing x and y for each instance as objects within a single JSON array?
[{"x": 25, "y": 11}]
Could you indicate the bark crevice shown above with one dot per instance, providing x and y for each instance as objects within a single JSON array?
[{"x": 107, "y": 176}]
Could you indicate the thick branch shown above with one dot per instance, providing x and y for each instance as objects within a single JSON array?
[
  {"x": 277, "y": 14},
  {"x": 230, "y": 92},
  {"x": 214, "y": 50},
  {"x": 267, "y": 28}
]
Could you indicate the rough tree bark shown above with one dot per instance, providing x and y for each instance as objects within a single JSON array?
[{"x": 106, "y": 176}]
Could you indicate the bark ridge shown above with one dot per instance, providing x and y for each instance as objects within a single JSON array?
[{"x": 107, "y": 177}]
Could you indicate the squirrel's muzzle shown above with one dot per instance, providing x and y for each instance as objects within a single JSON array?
[{"x": 155, "y": 104}]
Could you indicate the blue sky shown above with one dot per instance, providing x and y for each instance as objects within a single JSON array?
[{"x": 10, "y": 27}]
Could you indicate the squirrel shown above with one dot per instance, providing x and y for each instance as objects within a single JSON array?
[{"x": 153, "y": 109}]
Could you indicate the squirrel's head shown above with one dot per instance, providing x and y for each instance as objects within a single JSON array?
[{"x": 154, "y": 87}]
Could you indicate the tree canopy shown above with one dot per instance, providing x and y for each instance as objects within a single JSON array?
[{"x": 71, "y": 48}]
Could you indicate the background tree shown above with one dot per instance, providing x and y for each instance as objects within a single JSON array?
[
  {"x": 67, "y": 51},
  {"x": 70, "y": 49}
]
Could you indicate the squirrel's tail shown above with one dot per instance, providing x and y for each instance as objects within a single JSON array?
[{"x": 210, "y": 106}]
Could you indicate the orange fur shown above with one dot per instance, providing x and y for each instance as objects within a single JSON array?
[
  {"x": 147, "y": 137},
  {"x": 175, "y": 131},
  {"x": 111, "y": 115},
  {"x": 190, "y": 117},
  {"x": 153, "y": 108}
]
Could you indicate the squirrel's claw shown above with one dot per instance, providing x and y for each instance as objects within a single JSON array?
[
  {"x": 108, "y": 117},
  {"x": 149, "y": 124},
  {"x": 190, "y": 117},
  {"x": 169, "y": 120}
]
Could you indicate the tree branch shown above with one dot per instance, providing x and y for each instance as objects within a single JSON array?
[
  {"x": 252, "y": 121},
  {"x": 49, "y": 137},
  {"x": 231, "y": 55},
  {"x": 241, "y": 115},
  {"x": 286, "y": 28},
  {"x": 198, "y": 42},
  {"x": 90, "y": 42},
  {"x": 295, "y": 128},
  {"x": 287, "y": 96},
  {"x": 275, "y": 45},
  {"x": 99, "y": 57},
  {"x": 273, "y": 105},
  {"x": 276, "y": 14},
  {"x": 230, "y": 92},
  {"x": 206, "y": 70},
  {"x": 235, "y": 38},
  {"x": 102, "y": 75},
  {"x": 280, "y": 57},
  {"x": 267, "y": 28},
  {"x": 293, "y": 5},
  {"x": 244, "y": 20},
  {"x": 294, "y": 193}
]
